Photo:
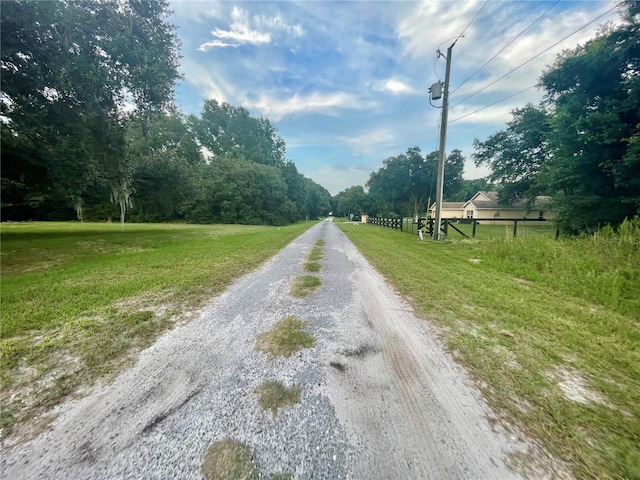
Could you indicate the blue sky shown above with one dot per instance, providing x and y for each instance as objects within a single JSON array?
[{"x": 346, "y": 83}]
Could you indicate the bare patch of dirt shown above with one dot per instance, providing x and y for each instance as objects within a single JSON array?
[{"x": 574, "y": 387}]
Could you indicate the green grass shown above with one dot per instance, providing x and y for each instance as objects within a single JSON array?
[
  {"x": 315, "y": 254},
  {"x": 549, "y": 329},
  {"x": 274, "y": 395},
  {"x": 78, "y": 300},
  {"x": 285, "y": 338},
  {"x": 311, "y": 267},
  {"x": 229, "y": 460},
  {"x": 305, "y": 285}
]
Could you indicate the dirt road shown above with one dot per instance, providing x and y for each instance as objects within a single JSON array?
[{"x": 380, "y": 398}]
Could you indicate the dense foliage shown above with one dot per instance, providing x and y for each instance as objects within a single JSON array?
[
  {"x": 404, "y": 185},
  {"x": 582, "y": 144},
  {"x": 89, "y": 124}
]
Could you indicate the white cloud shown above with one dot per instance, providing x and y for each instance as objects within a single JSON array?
[
  {"x": 258, "y": 29},
  {"x": 393, "y": 86},
  {"x": 216, "y": 43},
  {"x": 240, "y": 33},
  {"x": 278, "y": 108}
]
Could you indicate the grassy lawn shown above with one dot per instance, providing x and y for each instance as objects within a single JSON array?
[
  {"x": 549, "y": 329},
  {"x": 79, "y": 300}
]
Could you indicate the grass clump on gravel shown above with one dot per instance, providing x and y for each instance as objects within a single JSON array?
[
  {"x": 315, "y": 254},
  {"x": 80, "y": 299},
  {"x": 320, "y": 243},
  {"x": 311, "y": 267},
  {"x": 228, "y": 460},
  {"x": 274, "y": 395},
  {"x": 548, "y": 328},
  {"x": 305, "y": 285},
  {"x": 285, "y": 338}
]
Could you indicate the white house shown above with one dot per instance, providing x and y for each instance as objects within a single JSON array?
[{"x": 485, "y": 206}]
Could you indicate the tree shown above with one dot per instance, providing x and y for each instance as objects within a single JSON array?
[
  {"x": 403, "y": 183},
  {"x": 224, "y": 129},
  {"x": 165, "y": 159},
  {"x": 406, "y": 182},
  {"x": 516, "y": 155},
  {"x": 296, "y": 189},
  {"x": 352, "y": 200},
  {"x": 453, "y": 170},
  {"x": 71, "y": 72},
  {"x": 594, "y": 90},
  {"x": 317, "y": 200}
]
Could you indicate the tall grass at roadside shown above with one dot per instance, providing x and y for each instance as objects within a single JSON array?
[
  {"x": 550, "y": 329},
  {"x": 603, "y": 268},
  {"x": 79, "y": 299}
]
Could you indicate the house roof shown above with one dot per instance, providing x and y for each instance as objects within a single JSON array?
[
  {"x": 452, "y": 205},
  {"x": 489, "y": 201}
]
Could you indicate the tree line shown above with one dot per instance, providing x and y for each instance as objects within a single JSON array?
[
  {"x": 406, "y": 185},
  {"x": 90, "y": 128},
  {"x": 580, "y": 145}
]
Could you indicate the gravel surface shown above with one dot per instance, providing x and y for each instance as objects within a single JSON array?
[{"x": 380, "y": 397}]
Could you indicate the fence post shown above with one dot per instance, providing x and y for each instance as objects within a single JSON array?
[
  {"x": 475, "y": 222},
  {"x": 446, "y": 227},
  {"x": 515, "y": 228}
]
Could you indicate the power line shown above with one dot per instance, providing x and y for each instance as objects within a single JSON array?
[
  {"x": 533, "y": 58},
  {"x": 492, "y": 104},
  {"x": 474, "y": 17},
  {"x": 507, "y": 45}
]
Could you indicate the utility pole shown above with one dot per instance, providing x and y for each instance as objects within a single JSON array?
[{"x": 443, "y": 141}]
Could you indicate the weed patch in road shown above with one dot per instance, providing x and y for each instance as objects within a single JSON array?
[
  {"x": 274, "y": 395},
  {"x": 548, "y": 329},
  {"x": 311, "y": 267},
  {"x": 285, "y": 338},
  {"x": 321, "y": 243},
  {"x": 305, "y": 285},
  {"x": 315, "y": 254},
  {"x": 228, "y": 460}
]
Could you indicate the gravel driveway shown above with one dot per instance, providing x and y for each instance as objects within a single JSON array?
[{"x": 380, "y": 398}]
